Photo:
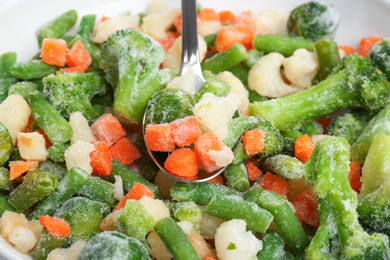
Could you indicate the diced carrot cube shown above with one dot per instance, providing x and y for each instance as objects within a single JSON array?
[
  {"x": 217, "y": 180},
  {"x": 203, "y": 145},
  {"x": 226, "y": 17},
  {"x": 248, "y": 34},
  {"x": 55, "y": 226},
  {"x": 178, "y": 23},
  {"x": 136, "y": 192},
  {"x": 227, "y": 37},
  {"x": 306, "y": 208},
  {"x": 158, "y": 137},
  {"x": 366, "y": 44},
  {"x": 275, "y": 184},
  {"x": 208, "y": 14},
  {"x": 185, "y": 131},
  {"x": 245, "y": 17},
  {"x": 78, "y": 56},
  {"x": 104, "y": 18},
  {"x": 182, "y": 162},
  {"x": 347, "y": 49},
  {"x": 124, "y": 151},
  {"x": 252, "y": 161},
  {"x": 17, "y": 168},
  {"x": 72, "y": 69},
  {"x": 167, "y": 43},
  {"x": 303, "y": 148},
  {"x": 48, "y": 143},
  {"x": 108, "y": 129},
  {"x": 354, "y": 176},
  {"x": 254, "y": 173},
  {"x": 53, "y": 51},
  {"x": 253, "y": 141},
  {"x": 100, "y": 159}
]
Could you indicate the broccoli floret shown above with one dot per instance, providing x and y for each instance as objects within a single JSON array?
[
  {"x": 348, "y": 126},
  {"x": 71, "y": 92},
  {"x": 355, "y": 83},
  {"x": 339, "y": 236},
  {"x": 380, "y": 56},
  {"x": 131, "y": 62},
  {"x": 312, "y": 128},
  {"x": 374, "y": 197},
  {"x": 314, "y": 21}
]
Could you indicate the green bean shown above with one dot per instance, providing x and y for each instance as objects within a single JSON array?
[
  {"x": 255, "y": 97},
  {"x": 32, "y": 69},
  {"x": 46, "y": 244},
  {"x": 56, "y": 152},
  {"x": 6, "y": 145},
  {"x": 30, "y": 192},
  {"x": 241, "y": 72},
  {"x": 38, "y": 83},
  {"x": 240, "y": 155},
  {"x": 312, "y": 128},
  {"x": 31, "y": 174},
  {"x": 57, "y": 129},
  {"x": 186, "y": 211},
  {"x": 210, "y": 39},
  {"x": 292, "y": 134},
  {"x": 98, "y": 190},
  {"x": 7, "y": 60},
  {"x": 130, "y": 177},
  {"x": 225, "y": 60},
  {"x": 58, "y": 169},
  {"x": 328, "y": 57},
  {"x": 4, "y": 205},
  {"x": 237, "y": 177},
  {"x": 5, "y": 183},
  {"x": 67, "y": 38},
  {"x": 66, "y": 188},
  {"x": 216, "y": 86},
  {"x": 148, "y": 169},
  {"x": 99, "y": 110},
  {"x": 286, "y": 166},
  {"x": 232, "y": 207},
  {"x": 284, "y": 217},
  {"x": 273, "y": 247},
  {"x": 285, "y": 45},
  {"x": 237, "y": 126},
  {"x": 175, "y": 240},
  {"x": 87, "y": 24},
  {"x": 57, "y": 27},
  {"x": 22, "y": 88},
  {"x": 200, "y": 193},
  {"x": 253, "y": 56}
]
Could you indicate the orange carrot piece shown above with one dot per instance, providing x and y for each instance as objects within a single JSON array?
[
  {"x": 78, "y": 69},
  {"x": 208, "y": 14},
  {"x": 227, "y": 37},
  {"x": 27, "y": 128},
  {"x": 158, "y": 137},
  {"x": 275, "y": 184},
  {"x": 55, "y": 226},
  {"x": 136, "y": 193},
  {"x": 324, "y": 122},
  {"x": 104, "y": 18},
  {"x": 217, "y": 180},
  {"x": 303, "y": 148},
  {"x": 366, "y": 44},
  {"x": 48, "y": 143},
  {"x": 78, "y": 56},
  {"x": 347, "y": 49},
  {"x": 17, "y": 168},
  {"x": 252, "y": 161},
  {"x": 206, "y": 143},
  {"x": 253, "y": 141},
  {"x": 100, "y": 159},
  {"x": 124, "y": 151},
  {"x": 354, "y": 176},
  {"x": 185, "y": 131},
  {"x": 248, "y": 34},
  {"x": 178, "y": 23},
  {"x": 306, "y": 208},
  {"x": 246, "y": 17},
  {"x": 226, "y": 17},
  {"x": 182, "y": 162},
  {"x": 209, "y": 258},
  {"x": 53, "y": 51},
  {"x": 254, "y": 173},
  {"x": 169, "y": 41},
  {"x": 108, "y": 129}
]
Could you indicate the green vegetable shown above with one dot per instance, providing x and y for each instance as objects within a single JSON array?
[
  {"x": 216, "y": 86},
  {"x": 58, "y": 169},
  {"x": 6, "y": 145},
  {"x": 86, "y": 26},
  {"x": 314, "y": 21},
  {"x": 7, "y": 60},
  {"x": 56, "y": 152},
  {"x": 186, "y": 211},
  {"x": 348, "y": 126},
  {"x": 22, "y": 88},
  {"x": 131, "y": 62},
  {"x": 285, "y": 45},
  {"x": 33, "y": 69},
  {"x": 273, "y": 247},
  {"x": 210, "y": 39},
  {"x": 253, "y": 56},
  {"x": 237, "y": 177},
  {"x": 356, "y": 83},
  {"x": 328, "y": 57},
  {"x": 312, "y": 128},
  {"x": 4, "y": 205},
  {"x": 148, "y": 169},
  {"x": 98, "y": 189},
  {"x": 241, "y": 72},
  {"x": 5, "y": 183},
  {"x": 379, "y": 56},
  {"x": 340, "y": 233},
  {"x": 286, "y": 166},
  {"x": 46, "y": 244}
]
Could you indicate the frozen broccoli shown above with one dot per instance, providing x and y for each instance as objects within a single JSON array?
[
  {"x": 380, "y": 56},
  {"x": 314, "y": 21},
  {"x": 131, "y": 62},
  {"x": 339, "y": 236},
  {"x": 355, "y": 83}
]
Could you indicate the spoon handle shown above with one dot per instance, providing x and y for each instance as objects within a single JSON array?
[{"x": 190, "y": 53}]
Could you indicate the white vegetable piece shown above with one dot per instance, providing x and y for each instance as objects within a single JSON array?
[
  {"x": 78, "y": 155},
  {"x": 9, "y": 221},
  {"x": 209, "y": 27},
  {"x": 238, "y": 88},
  {"x": 154, "y": 207},
  {"x": 185, "y": 82},
  {"x": 272, "y": 21},
  {"x": 301, "y": 68},
  {"x": 106, "y": 28},
  {"x": 108, "y": 223},
  {"x": 173, "y": 58},
  {"x": 186, "y": 226},
  {"x": 233, "y": 233},
  {"x": 222, "y": 157},
  {"x": 23, "y": 239},
  {"x": 80, "y": 128},
  {"x": 264, "y": 77},
  {"x": 156, "y": 24},
  {"x": 156, "y": 7},
  {"x": 200, "y": 245},
  {"x": 71, "y": 253},
  {"x": 118, "y": 188},
  {"x": 316, "y": 138},
  {"x": 159, "y": 251},
  {"x": 36, "y": 227},
  {"x": 208, "y": 226},
  {"x": 32, "y": 146},
  {"x": 14, "y": 114}
]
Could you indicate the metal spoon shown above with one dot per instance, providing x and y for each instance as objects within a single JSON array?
[{"x": 189, "y": 60}]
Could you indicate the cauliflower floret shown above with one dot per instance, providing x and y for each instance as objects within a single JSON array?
[
  {"x": 36, "y": 228},
  {"x": 222, "y": 157},
  {"x": 71, "y": 253},
  {"x": 316, "y": 138},
  {"x": 80, "y": 128},
  {"x": 156, "y": 24},
  {"x": 23, "y": 239},
  {"x": 208, "y": 226},
  {"x": 118, "y": 188},
  {"x": 200, "y": 245},
  {"x": 238, "y": 88},
  {"x": 231, "y": 103},
  {"x": 78, "y": 155},
  {"x": 32, "y": 146},
  {"x": 9, "y": 221},
  {"x": 108, "y": 223},
  {"x": 173, "y": 58},
  {"x": 106, "y": 28},
  {"x": 271, "y": 21},
  {"x": 301, "y": 68},
  {"x": 186, "y": 226},
  {"x": 233, "y": 242},
  {"x": 264, "y": 77},
  {"x": 209, "y": 27},
  {"x": 159, "y": 251},
  {"x": 155, "y": 208},
  {"x": 156, "y": 7},
  {"x": 185, "y": 82}
]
